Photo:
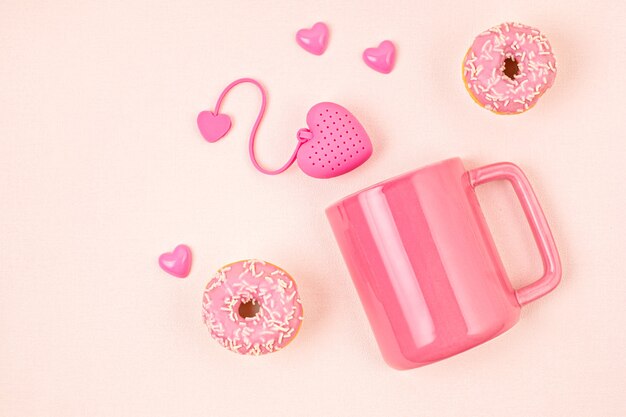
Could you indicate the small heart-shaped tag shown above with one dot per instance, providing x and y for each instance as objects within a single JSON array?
[
  {"x": 381, "y": 58},
  {"x": 314, "y": 40},
  {"x": 213, "y": 126},
  {"x": 177, "y": 262}
]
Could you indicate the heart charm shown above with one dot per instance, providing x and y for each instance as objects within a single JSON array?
[
  {"x": 178, "y": 262},
  {"x": 382, "y": 58},
  {"x": 213, "y": 126},
  {"x": 335, "y": 143},
  {"x": 314, "y": 40}
]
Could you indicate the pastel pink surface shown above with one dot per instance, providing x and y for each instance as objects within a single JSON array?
[
  {"x": 425, "y": 265},
  {"x": 483, "y": 68},
  {"x": 177, "y": 262},
  {"x": 279, "y": 316},
  {"x": 339, "y": 143},
  {"x": 213, "y": 126},
  {"x": 101, "y": 167},
  {"x": 315, "y": 39},
  {"x": 382, "y": 58}
]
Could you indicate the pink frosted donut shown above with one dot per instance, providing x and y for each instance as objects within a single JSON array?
[
  {"x": 252, "y": 307},
  {"x": 508, "y": 68}
]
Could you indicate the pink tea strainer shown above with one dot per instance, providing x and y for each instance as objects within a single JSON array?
[{"x": 333, "y": 143}]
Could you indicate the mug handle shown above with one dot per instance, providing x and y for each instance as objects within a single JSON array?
[{"x": 538, "y": 224}]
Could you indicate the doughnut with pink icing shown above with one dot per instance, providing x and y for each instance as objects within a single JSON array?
[
  {"x": 252, "y": 307},
  {"x": 508, "y": 68}
]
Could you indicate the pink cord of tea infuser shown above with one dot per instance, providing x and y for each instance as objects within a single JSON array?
[
  {"x": 212, "y": 129},
  {"x": 336, "y": 142}
]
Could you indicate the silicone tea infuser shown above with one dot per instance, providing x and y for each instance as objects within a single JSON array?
[{"x": 334, "y": 142}]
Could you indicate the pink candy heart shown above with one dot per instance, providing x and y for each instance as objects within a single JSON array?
[
  {"x": 213, "y": 126},
  {"x": 178, "y": 262},
  {"x": 382, "y": 58},
  {"x": 314, "y": 40}
]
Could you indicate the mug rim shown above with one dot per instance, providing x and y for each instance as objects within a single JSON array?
[{"x": 389, "y": 180}]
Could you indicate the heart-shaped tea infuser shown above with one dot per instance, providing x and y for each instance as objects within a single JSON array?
[{"x": 333, "y": 143}]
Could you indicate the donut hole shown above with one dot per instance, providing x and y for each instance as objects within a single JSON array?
[
  {"x": 248, "y": 309},
  {"x": 510, "y": 67}
]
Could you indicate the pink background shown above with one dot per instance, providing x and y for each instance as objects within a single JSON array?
[{"x": 102, "y": 169}]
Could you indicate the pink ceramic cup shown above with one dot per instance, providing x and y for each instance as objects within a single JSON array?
[{"x": 425, "y": 265}]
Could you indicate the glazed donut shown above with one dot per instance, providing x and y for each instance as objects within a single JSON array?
[
  {"x": 252, "y": 307},
  {"x": 508, "y": 68}
]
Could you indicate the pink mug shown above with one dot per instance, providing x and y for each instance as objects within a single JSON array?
[{"x": 425, "y": 265}]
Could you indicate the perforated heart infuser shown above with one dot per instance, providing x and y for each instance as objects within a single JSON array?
[{"x": 333, "y": 144}]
